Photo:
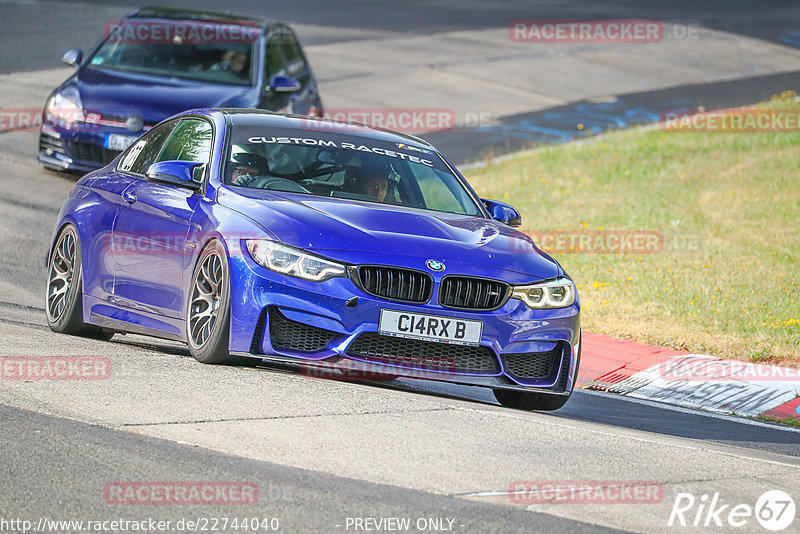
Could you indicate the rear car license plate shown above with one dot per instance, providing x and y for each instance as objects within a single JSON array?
[
  {"x": 117, "y": 141},
  {"x": 430, "y": 327}
]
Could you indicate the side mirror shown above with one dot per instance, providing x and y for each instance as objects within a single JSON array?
[
  {"x": 72, "y": 57},
  {"x": 502, "y": 212},
  {"x": 283, "y": 84},
  {"x": 180, "y": 173}
]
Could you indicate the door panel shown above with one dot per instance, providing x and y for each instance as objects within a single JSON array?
[
  {"x": 150, "y": 250},
  {"x": 103, "y": 200},
  {"x": 150, "y": 254}
]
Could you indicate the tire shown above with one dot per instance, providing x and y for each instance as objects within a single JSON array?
[
  {"x": 64, "y": 292},
  {"x": 208, "y": 310},
  {"x": 529, "y": 400}
]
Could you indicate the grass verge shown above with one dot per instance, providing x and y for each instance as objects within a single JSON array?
[
  {"x": 725, "y": 207},
  {"x": 791, "y": 421}
]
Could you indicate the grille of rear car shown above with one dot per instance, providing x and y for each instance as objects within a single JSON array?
[
  {"x": 90, "y": 152},
  {"x": 423, "y": 354},
  {"x": 466, "y": 293},
  {"x": 123, "y": 119},
  {"x": 291, "y": 335},
  {"x": 50, "y": 145},
  {"x": 396, "y": 284},
  {"x": 534, "y": 365}
]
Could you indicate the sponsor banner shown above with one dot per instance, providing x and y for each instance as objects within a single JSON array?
[
  {"x": 55, "y": 367},
  {"x": 586, "y": 492},
  {"x": 748, "y": 398},
  {"x": 180, "y": 493}
]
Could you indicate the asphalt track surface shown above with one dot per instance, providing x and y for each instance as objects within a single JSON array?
[
  {"x": 62, "y": 27},
  {"x": 324, "y": 451}
]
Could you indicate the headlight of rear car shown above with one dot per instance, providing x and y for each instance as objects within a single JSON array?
[
  {"x": 65, "y": 107},
  {"x": 294, "y": 262},
  {"x": 558, "y": 293}
]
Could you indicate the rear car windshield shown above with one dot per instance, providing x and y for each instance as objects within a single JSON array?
[
  {"x": 206, "y": 52},
  {"x": 345, "y": 167}
]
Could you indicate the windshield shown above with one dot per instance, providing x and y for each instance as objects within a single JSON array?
[
  {"x": 345, "y": 167},
  {"x": 214, "y": 53}
]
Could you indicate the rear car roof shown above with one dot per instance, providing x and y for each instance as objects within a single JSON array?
[{"x": 200, "y": 16}]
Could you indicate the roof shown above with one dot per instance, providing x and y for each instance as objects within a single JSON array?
[{"x": 200, "y": 16}]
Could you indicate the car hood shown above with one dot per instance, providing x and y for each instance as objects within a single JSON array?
[
  {"x": 154, "y": 98},
  {"x": 362, "y": 232}
]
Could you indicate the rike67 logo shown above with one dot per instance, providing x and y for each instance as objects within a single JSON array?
[{"x": 774, "y": 510}]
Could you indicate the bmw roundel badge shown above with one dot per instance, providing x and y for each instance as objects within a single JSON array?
[{"x": 435, "y": 266}]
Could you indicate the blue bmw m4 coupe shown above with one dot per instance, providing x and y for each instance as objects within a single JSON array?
[{"x": 245, "y": 233}]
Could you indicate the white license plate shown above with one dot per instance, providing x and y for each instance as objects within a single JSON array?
[
  {"x": 430, "y": 327},
  {"x": 117, "y": 141}
]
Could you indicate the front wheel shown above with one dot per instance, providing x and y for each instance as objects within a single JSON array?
[
  {"x": 529, "y": 400},
  {"x": 208, "y": 310}
]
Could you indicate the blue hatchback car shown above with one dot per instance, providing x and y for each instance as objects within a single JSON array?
[
  {"x": 155, "y": 63},
  {"x": 245, "y": 233}
]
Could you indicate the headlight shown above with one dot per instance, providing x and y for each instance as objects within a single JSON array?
[
  {"x": 65, "y": 107},
  {"x": 558, "y": 293},
  {"x": 294, "y": 262}
]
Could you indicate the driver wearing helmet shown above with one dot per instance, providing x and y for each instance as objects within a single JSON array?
[
  {"x": 246, "y": 166},
  {"x": 372, "y": 179},
  {"x": 376, "y": 187}
]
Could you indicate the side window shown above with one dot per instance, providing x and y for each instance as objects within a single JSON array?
[
  {"x": 292, "y": 55},
  {"x": 439, "y": 191},
  {"x": 190, "y": 141},
  {"x": 143, "y": 152},
  {"x": 274, "y": 59}
]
